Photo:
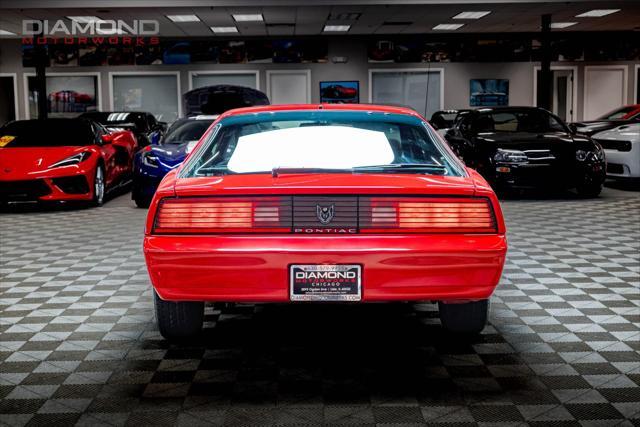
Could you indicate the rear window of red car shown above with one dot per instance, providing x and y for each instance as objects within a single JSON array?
[{"x": 316, "y": 141}]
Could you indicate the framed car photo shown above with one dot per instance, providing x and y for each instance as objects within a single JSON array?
[{"x": 340, "y": 92}]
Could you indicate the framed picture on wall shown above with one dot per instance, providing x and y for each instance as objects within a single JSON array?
[
  {"x": 67, "y": 95},
  {"x": 489, "y": 92},
  {"x": 340, "y": 92}
]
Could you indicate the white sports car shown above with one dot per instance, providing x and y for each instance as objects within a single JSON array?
[{"x": 622, "y": 150}]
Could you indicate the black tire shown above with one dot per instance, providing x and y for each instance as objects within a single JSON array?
[
  {"x": 178, "y": 320},
  {"x": 589, "y": 190},
  {"x": 466, "y": 318},
  {"x": 141, "y": 201}
]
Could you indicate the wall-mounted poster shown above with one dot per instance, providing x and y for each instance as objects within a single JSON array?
[
  {"x": 489, "y": 92},
  {"x": 67, "y": 96},
  {"x": 63, "y": 55},
  {"x": 340, "y": 92}
]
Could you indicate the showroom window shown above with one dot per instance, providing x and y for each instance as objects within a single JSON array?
[
  {"x": 421, "y": 90},
  {"x": 8, "y": 98},
  {"x": 236, "y": 78},
  {"x": 156, "y": 93},
  {"x": 67, "y": 94}
]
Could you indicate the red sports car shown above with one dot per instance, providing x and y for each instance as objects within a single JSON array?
[
  {"x": 299, "y": 203},
  {"x": 62, "y": 160}
]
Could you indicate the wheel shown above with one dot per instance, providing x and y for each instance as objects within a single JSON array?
[
  {"x": 178, "y": 320},
  {"x": 591, "y": 189},
  {"x": 465, "y": 318},
  {"x": 98, "y": 186}
]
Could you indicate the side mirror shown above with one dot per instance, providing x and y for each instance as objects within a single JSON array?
[
  {"x": 573, "y": 128},
  {"x": 107, "y": 138}
]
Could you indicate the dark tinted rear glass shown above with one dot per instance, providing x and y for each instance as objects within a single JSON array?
[
  {"x": 188, "y": 130},
  {"x": 46, "y": 133}
]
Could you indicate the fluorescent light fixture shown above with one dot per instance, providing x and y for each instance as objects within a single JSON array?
[
  {"x": 219, "y": 30},
  {"x": 84, "y": 19},
  {"x": 597, "y": 13},
  {"x": 563, "y": 24},
  {"x": 184, "y": 18},
  {"x": 336, "y": 28},
  {"x": 6, "y": 33},
  {"x": 445, "y": 27},
  {"x": 472, "y": 15},
  {"x": 248, "y": 17}
]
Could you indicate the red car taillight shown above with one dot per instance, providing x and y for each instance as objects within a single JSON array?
[
  {"x": 427, "y": 215},
  {"x": 222, "y": 215},
  {"x": 276, "y": 214}
]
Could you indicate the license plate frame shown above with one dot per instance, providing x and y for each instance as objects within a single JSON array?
[{"x": 327, "y": 288}]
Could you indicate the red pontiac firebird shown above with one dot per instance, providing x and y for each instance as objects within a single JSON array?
[
  {"x": 62, "y": 160},
  {"x": 300, "y": 203}
]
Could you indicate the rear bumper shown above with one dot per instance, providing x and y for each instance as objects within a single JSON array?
[{"x": 256, "y": 268}]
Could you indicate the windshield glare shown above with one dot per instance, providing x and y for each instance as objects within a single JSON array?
[{"x": 343, "y": 141}]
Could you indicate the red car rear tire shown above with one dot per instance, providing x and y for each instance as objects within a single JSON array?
[
  {"x": 465, "y": 318},
  {"x": 178, "y": 320}
]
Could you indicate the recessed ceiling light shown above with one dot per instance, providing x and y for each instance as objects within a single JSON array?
[
  {"x": 597, "y": 13},
  {"x": 336, "y": 28},
  {"x": 248, "y": 17},
  {"x": 563, "y": 24},
  {"x": 472, "y": 15},
  {"x": 184, "y": 18},
  {"x": 6, "y": 33},
  {"x": 219, "y": 30},
  {"x": 444, "y": 27},
  {"x": 84, "y": 19}
]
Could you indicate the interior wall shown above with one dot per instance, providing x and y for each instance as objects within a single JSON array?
[{"x": 456, "y": 74}]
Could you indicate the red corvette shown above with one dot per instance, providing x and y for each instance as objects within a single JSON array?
[
  {"x": 299, "y": 203},
  {"x": 62, "y": 160}
]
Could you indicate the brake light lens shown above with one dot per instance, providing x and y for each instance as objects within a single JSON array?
[
  {"x": 428, "y": 215},
  {"x": 220, "y": 215},
  {"x": 370, "y": 215}
]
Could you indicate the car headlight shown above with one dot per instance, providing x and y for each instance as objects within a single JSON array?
[
  {"x": 72, "y": 160},
  {"x": 510, "y": 156},
  {"x": 583, "y": 155},
  {"x": 150, "y": 160}
]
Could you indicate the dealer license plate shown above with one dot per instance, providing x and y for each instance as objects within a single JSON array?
[{"x": 325, "y": 282}]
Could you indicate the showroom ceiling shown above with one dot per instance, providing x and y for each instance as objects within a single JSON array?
[{"x": 360, "y": 17}]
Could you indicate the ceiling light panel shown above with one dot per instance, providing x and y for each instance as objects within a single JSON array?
[
  {"x": 84, "y": 19},
  {"x": 183, "y": 18},
  {"x": 472, "y": 15},
  {"x": 448, "y": 27},
  {"x": 559, "y": 25},
  {"x": 223, "y": 30},
  {"x": 248, "y": 17},
  {"x": 336, "y": 28},
  {"x": 597, "y": 13},
  {"x": 6, "y": 33}
]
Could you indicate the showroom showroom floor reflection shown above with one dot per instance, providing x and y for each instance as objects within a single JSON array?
[{"x": 80, "y": 345}]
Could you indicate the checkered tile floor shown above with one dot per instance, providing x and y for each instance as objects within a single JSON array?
[{"x": 79, "y": 344}]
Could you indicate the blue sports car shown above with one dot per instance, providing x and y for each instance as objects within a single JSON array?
[
  {"x": 202, "y": 106},
  {"x": 153, "y": 162}
]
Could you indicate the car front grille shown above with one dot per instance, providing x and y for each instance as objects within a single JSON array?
[
  {"x": 610, "y": 144},
  {"x": 539, "y": 156},
  {"x": 72, "y": 184},
  {"x": 23, "y": 191}
]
